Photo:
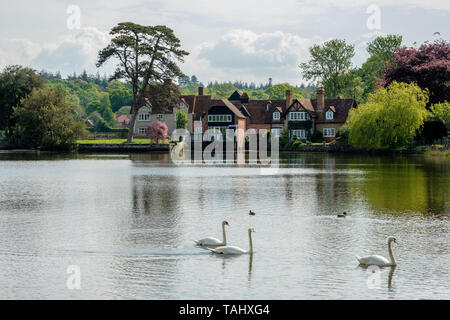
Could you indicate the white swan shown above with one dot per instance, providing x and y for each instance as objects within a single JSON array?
[
  {"x": 379, "y": 260},
  {"x": 233, "y": 249},
  {"x": 210, "y": 241}
]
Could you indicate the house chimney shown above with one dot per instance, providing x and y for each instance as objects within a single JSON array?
[
  {"x": 320, "y": 98},
  {"x": 288, "y": 98},
  {"x": 200, "y": 91}
]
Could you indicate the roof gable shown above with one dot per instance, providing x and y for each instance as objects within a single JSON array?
[
  {"x": 233, "y": 108},
  {"x": 236, "y": 96}
]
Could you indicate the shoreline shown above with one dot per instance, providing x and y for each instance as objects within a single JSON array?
[{"x": 166, "y": 148}]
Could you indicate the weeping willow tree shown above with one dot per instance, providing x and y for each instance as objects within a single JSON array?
[
  {"x": 144, "y": 54},
  {"x": 390, "y": 118}
]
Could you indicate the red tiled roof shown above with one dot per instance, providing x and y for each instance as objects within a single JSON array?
[
  {"x": 233, "y": 108},
  {"x": 341, "y": 109},
  {"x": 122, "y": 118},
  {"x": 258, "y": 113}
]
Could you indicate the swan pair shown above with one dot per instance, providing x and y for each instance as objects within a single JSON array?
[{"x": 221, "y": 246}]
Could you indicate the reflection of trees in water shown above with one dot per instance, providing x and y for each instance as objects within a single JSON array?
[
  {"x": 156, "y": 205},
  {"x": 406, "y": 184},
  {"x": 160, "y": 157}
]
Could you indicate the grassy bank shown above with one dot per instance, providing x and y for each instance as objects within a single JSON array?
[
  {"x": 438, "y": 153},
  {"x": 113, "y": 141}
]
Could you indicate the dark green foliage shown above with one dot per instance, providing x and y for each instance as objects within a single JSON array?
[
  {"x": 145, "y": 54},
  {"x": 433, "y": 130},
  {"x": 342, "y": 135},
  {"x": 44, "y": 121},
  {"x": 182, "y": 119},
  {"x": 317, "y": 136},
  {"x": 16, "y": 83},
  {"x": 165, "y": 97}
]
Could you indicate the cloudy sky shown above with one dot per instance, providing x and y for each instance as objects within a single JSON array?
[{"x": 228, "y": 39}]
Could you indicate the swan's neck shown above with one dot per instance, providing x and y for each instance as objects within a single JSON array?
[
  {"x": 224, "y": 236},
  {"x": 391, "y": 255},
  {"x": 250, "y": 242}
]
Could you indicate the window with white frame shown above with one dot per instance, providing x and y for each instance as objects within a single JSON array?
[
  {"x": 276, "y": 115},
  {"x": 199, "y": 130},
  {"x": 329, "y": 115},
  {"x": 300, "y": 134},
  {"x": 329, "y": 132},
  {"x": 142, "y": 130},
  {"x": 219, "y": 118},
  {"x": 297, "y": 116},
  {"x": 160, "y": 117},
  {"x": 144, "y": 116},
  {"x": 217, "y": 130},
  {"x": 275, "y": 132}
]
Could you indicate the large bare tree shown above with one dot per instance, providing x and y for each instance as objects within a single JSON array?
[{"x": 144, "y": 54}]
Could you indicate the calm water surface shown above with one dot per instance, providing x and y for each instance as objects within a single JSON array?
[{"x": 128, "y": 222}]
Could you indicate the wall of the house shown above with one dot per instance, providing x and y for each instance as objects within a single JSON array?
[
  {"x": 256, "y": 126},
  {"x": 220, "y": 110},
  {"x": 168, "y": 118},
  {"x": 321, "y": 126}
]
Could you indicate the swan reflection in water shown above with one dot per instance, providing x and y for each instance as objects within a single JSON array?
[
  {"x": 391, "y": 274},
  {"x": 374, "y": 275}
]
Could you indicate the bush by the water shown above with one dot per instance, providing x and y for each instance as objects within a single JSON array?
[{"x": 317, "y": 136}]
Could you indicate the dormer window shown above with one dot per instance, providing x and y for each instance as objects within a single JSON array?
[
  {"x": 329, "y": 115},
  {"x": 276, "y": 115},
  {"x": 144, "y": 117},
  {"x": 297, "y": 116}
]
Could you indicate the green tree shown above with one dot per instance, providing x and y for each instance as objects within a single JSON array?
[
  {"x": 182, "y": 119},
  {"x": 352, "y": 86},
  {"x": 441, "y": 111},
  {"x": 257, "y": 95},
  {"x": 278, "y": 91},
  {"x": 221, "y": 90},
  {"x": 119, "y": 94},
  {"x": 79, "y": 130},
  {"x": 381, "y": 51},
  {"x": 44, "y": 120},
  {"x": 384, "y": 46},
  {"x": 164, "y": 97},
  {"x": 16, "y": 83},
  {"x": 145, "y": 54},
  {"x": 390, "y": 117},
  {"x": 105, "y": 110},
  {"x": 93, "y": 106},
  {"x": 327, "y": 62}
]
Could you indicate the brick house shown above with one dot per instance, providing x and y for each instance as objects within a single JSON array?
[{"x": 299, "y": 117}]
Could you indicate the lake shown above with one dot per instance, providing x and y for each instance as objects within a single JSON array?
[{"x": 125, "y": 224}]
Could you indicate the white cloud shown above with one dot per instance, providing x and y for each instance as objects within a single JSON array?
[
  {"x": 246, "y": 55},
  {"x": 17, "y": 51},
  {"x": 75, "y": 52},
  {"x": 247, "y": 40},
  {"x": 71, "y": 53}
]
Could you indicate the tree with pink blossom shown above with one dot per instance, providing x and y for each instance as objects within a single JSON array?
[{"x": 157, "y": 132}]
